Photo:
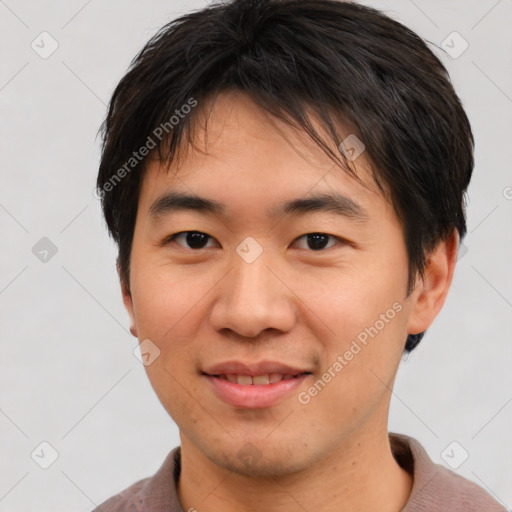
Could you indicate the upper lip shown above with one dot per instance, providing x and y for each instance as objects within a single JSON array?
[{"x": 252, "y": 369}]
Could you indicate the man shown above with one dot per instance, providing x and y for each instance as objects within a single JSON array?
[{"x": 285, "y": 182}]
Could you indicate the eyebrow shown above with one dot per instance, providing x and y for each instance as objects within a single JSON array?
[{"x": 332, "y": 202}]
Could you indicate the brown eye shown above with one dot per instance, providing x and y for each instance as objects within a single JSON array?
[
  {"x": 192, "y": 239},
  {"x": 317, "y": 241}
]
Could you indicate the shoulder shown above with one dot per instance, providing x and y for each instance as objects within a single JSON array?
[
  {"x": 451, "y": 492},
  {"x": 129, "y": 500},
  {"x": 155, "y": 494},
  {"x": 436, "y": 487}
]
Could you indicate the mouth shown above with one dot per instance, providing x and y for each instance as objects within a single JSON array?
[
  {"x": 256, "y": 391},
  {"x": 257, "y": 380}
]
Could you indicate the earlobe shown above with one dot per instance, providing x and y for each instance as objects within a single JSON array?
[
  {"x": 432, "y": 289},
  {"x": 128, "y": 304}
]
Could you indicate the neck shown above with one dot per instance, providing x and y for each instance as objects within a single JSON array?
[{"x": 362, "y": 475}]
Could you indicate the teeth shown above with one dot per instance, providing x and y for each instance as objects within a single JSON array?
[
  {"x": 244, "y": 380},
  {"x": 258, "y": 380}
]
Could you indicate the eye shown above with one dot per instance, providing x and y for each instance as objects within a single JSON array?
[
  {"x": 192, "y": 239},
  {"x": 198, "y": 240},
  {"x": 317, "y": 241}
]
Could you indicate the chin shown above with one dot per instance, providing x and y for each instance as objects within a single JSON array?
[{"x": 259, "y": 459}]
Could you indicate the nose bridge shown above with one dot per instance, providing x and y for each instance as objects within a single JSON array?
[
  {"x": 251, "y": 282},
  {"x": 252, "y": 298}
]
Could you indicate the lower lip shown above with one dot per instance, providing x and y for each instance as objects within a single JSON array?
[{"x": 254, "y": 396}]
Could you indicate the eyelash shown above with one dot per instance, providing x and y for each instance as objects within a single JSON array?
[{"x": 339, "y": 241}]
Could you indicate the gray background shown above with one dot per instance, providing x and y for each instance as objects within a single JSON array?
[{"x": 68, "y": 373}]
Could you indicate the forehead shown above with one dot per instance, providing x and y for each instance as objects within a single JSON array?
[{"x": 241, "y": 156}]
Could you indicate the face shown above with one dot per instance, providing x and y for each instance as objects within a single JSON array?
[{"x": 311, "y": 295}]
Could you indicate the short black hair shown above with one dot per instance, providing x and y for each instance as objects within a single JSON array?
[{"x": 349, "y": 64}]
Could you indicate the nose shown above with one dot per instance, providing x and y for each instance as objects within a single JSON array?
[{"x": 252, "y": 298}]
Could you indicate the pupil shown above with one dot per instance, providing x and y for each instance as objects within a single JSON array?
[
  {"x": 317, "y": 241},
  {"x": 196, "y": 240}
]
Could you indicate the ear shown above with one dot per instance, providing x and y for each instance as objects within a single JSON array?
[
  {"x": 128, "y": 302},
  {"x": 430, "y": 291}
]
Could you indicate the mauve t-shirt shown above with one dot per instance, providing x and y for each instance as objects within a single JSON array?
[{"x": 435, "y": 488}]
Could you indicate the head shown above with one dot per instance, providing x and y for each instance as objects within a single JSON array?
[{"x": 264, "y": 109}]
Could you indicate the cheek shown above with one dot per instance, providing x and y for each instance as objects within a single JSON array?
[
  {"x": 367, "y": 322},
  {"x": 357, "y": 373},
  {"x": 168, "y": 313},
  {"x": 166, "y": 303},
  {"x": 353, "y": 304}
]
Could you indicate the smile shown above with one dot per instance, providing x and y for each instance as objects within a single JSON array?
[
  {"x": 258, "y": 391},
  {"x": 256, "y": 380}
]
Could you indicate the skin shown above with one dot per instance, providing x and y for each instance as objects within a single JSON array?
[{"x": 293, "y": 304}]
